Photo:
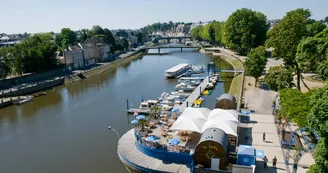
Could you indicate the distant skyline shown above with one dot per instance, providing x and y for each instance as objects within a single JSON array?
[{"x": 19, "y": 16}]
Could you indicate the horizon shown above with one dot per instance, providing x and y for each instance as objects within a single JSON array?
[{"x": 77, "y": 15}]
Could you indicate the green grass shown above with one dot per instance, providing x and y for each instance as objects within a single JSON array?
[{"x": 237, "y": 82}]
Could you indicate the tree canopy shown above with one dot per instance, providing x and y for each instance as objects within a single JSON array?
[
  {"x": 278, "y": 78},
  {"x": 295, "y": 105},
  {"x": 65, "y": 38},
  {"x": 245, "y": 29},
  {"x": 255, "y": 63},
  {"x": 315, "y": 28},
  {"x": 286, "y": 36},
  {"x": 196, "y": 32},
  {"x": 318, "y": 120}
]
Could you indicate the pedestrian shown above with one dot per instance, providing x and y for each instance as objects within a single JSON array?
[
  {"x": 294, "y": 167},
  {"x": 274, "y": 161},
  {"x": 263, "y": 136},
  {"x": 265, "y": 159}
]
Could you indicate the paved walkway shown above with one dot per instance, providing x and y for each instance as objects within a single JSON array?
[{"x": 261, "y": 100}]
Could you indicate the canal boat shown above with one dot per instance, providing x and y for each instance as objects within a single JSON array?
[
  {"x": 177, "y": 70},
  {"x": 22, "y": 101},
  {"x": 148, "y": 104},
  {"x": 184, "y": 87}
]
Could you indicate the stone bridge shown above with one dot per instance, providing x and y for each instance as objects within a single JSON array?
[{"x": 169, "y": 38}]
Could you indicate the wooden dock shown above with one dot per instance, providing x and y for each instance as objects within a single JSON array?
[
  {"x": 131, "y": 156},
  {"x": 193, "y": 96}
]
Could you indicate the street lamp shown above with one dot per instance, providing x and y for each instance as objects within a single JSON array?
[{"x": 118, "y": 136}]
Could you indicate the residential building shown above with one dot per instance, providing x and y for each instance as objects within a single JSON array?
[
  {"x": 74, "y": 58},
  {"x": 95, "y": 50}
]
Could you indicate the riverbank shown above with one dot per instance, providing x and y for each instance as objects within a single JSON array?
[
  {"x": 236, "y": 88},
  {"x": 102, "y": 68}
]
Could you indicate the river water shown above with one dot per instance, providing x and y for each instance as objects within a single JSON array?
[{"x": 66, "y": 130}]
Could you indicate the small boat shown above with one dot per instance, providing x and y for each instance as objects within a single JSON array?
[
  {"x": 40, "y": 94},
  {"x": 199, "y": 101},
  {"x": 207, "y": 92},
  {"x": 165, "y": 107},
  {"x": 181, "y": 93},
  {"x": 148, "y": 104},
  {"x": 209, "y": 86},
  {"x": 22, "y": 101},
  {"x": 184, "y": 87}
]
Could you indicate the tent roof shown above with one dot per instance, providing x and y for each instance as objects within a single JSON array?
[
  {"x": 186, "y": 123},
  {"x": 196, "y": 113},
  {"x": 201, "y": 119}
]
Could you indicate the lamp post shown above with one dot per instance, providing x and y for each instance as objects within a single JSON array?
[{"x": 118, "y": 135}]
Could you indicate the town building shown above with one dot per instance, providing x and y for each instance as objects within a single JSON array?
[
  {"x": 74, "y": 58},
  {"x": 95, "y": 50}
]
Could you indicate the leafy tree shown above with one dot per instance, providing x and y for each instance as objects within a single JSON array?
[
  {"x": 141, "y": 124},
  {"x": 6, "y": 58},
  {"x": 109, "y": 37},
  {"x": 326, "y": 19},
  {"x": 245, "y": 29},
  {"x": 124, "y": 42},
  {"x": 97, "y": 30},
  {"x": 311, "y": 52},
  {"x": 286, "y": 36},
  {"x": 323, "y": 70},
  {"x": 315, "y": 28},
  {"x": 279, "y": 78},
  {"x": 295, "y": 105},
  {"x": 196, "y": 32},
  {"x": 218, "y": 31},
  {"x": 65, "y": 38},
  {"x": 122, "y": 33},
  {"x": 255, "y": 63},
  {"x": 318, "y": 120},
  {"x": 139, "y": 37},
  {"x": 38, "y": 53},
  {"x": 85, "y": 33},
  {"x": 155, "y": 112}
]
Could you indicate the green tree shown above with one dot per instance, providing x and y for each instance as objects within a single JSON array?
[
  {"x": 97, "y": 30},
  {"x": 196, "y": 32},
  {"x": 139, "y": 37},
  {"x": 218, "y": 31},
  {"x": 141, "y": 124},
  {"x": 295, "y": 105},
  {"x": 85, "y": 33},
  {"x": 122, "y": 33},
  {"x": 155, "y": 112},
  {"x": 315, "y": 28},
  {"x": 65, "y": 38},
  {"x": 323, "y": 70},
  {"x": 279, "y": 78},
  {"x": 245, "y": 29},
  {"x": 208, "y": 33},
  {"x": 310, "y": 53},
  {"x": 255, "y": 63},
  {"x": 318, "y": 120},
  {"x": 124, "y": 42},
  {"x": 286, "y": 36},
  {"x": 109, "y": 37},
  {"x": 38, "y": 53}
]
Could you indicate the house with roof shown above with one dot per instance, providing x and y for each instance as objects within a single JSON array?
[
  {"x": 74, "y": 58},
  {"x": 95, "y": 50}
]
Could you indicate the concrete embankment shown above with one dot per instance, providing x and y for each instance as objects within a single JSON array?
[
  {"x": 32, "y": 87},
  {"x": 103, "y": 68},
  {"x": 237, "y": 84}
]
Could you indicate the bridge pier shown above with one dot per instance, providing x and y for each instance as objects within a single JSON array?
[
  {"x": 181, "y": 49},
  {"x": 159, "y": 50}
]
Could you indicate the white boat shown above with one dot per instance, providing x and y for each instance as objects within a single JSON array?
[
  {"x": 181, "y": 93},
  {"x": 28, "y": 98},
  {"x": 209, "y": 86},
  {"x": 184, "y": 87},
  {"x": 165, "y": 107},
  {"x": 148, "y": 104},
  {"x": 177, "y": 70},
  {"x": 198, "y": 69}
]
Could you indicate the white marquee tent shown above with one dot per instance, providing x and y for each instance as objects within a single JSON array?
[{"x": 200, "y": 119}]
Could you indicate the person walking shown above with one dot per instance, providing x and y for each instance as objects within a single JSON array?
[
  {"x": 263, "y": 136},
  {"x": 274, "y": 161},
  {"x": 295, "y": 168},
  {"x": 265, "y": 159}
]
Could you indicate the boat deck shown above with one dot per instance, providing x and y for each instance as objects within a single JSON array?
[
  {"x": 193, "y": 96},
  {"x": 131, "y": 156}
]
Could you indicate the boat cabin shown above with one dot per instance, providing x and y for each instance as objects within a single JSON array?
[{"x": 148, "y": 104}]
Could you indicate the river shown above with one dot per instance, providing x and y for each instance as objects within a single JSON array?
[{"x": 66, "y": 130}]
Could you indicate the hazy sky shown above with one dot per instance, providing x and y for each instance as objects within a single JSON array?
[{"x": 18, "y": 16}]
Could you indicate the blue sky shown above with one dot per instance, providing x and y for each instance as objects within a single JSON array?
[{"x": 18, "y": 16}]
